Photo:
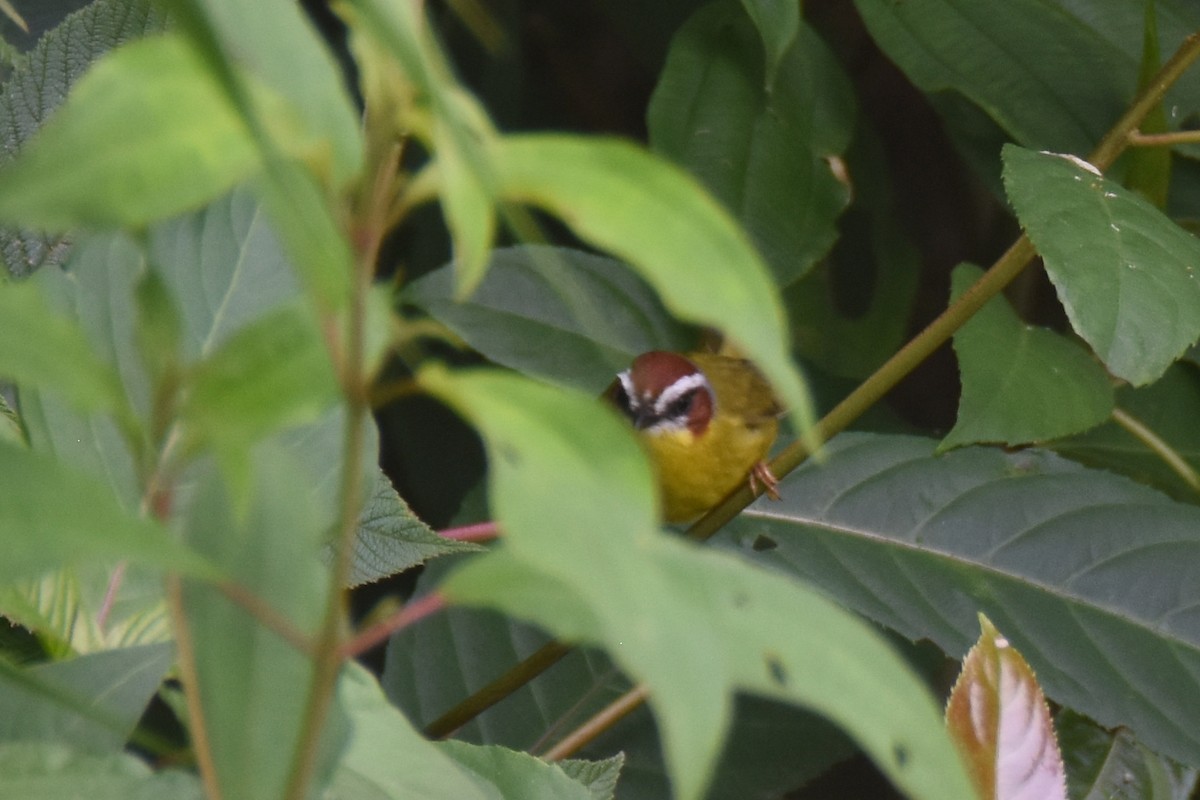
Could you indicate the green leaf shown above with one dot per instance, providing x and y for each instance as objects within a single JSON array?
[
  {"x": 39, "y": 82},
  {"x": 457, "y": 129},
  {"x": 661, "y": 222},
  {"x": 600, "y": 777},
  {"x": 275, "y": 42},
  {"x": 92, "y": 702},
  {"x": 1047, "y": 549},
  {"x": 760, "y": 145},
  {"x": 391, "y": 539},
  {"x": 46, "y": 771},
  {"x": 145, "y": 134},
  {"x": 1065, "y": 99},
  {"x": 1021, "y": 383},
  {"x": 517, "y": 776},
  {"x": 42, "y": 349},
  {"x": 253, "y": 685},
  {"x": 91, "y": 608},
  {"x": 688, "y": 603},
  {"x": 1125, "y": 273},
  {"x": 1105, "y": 764},
  {"x": 532, "y": 294},
  {"x": 778, "y": 23},
  {"x": 771, "y": 747},
  {"x": 272, "y": 372},
  {"x": 386, "y": 758},
  {"x": 52, "y": 515}
]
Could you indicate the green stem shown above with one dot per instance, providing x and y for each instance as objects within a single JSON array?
[
  {"x": 1139, "y": 139},
  {"x": 1157, "y": 445},
  {"x": 329, "y": 654}
]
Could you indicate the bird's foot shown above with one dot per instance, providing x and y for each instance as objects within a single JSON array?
[{"x": 761, "y": 473}]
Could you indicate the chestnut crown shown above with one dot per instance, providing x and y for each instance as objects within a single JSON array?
[{"x": 664, "y": 391}]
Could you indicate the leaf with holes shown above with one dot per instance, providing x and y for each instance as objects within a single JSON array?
[
  {"x": 1090, "y": 574},
  {"x": 706, "y": 625}
]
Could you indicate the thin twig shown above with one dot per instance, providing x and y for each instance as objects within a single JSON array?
[
  {"x": 1159, "y": 446},
  {"x": 189, "y": 675},
  {"x": 1139, "y": 139},
  {"x": 602, "y": 721},
  {"x": 413, "y": 611},
  {"x": 546, "y": 656},
  {"x": 479, "y": 532}
]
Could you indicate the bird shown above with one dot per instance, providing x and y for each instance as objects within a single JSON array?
[{"x": 707, "y": 421}]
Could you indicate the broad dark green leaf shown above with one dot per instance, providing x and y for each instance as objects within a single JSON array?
[
  {"x": 145, "y": 134},
  {"x": 1053, "y": 74},
  {"x": 1107, "y": 764},
  {"x": 778, "y": 23},
  {"x": 660, "y": 221},
  {"x": 40, "y": 81},
  {"x": 1086, "y": 572},
  {"x": 51, "y": 771},
  {"x": 53, "y": 516},
  {"x": 1125, "y": 273},
  {"x": 707, "y": 625},
  {"x": 759, "y": 144},
  {"x": 1021, "y": 383},
  {"x": 565, "y": 315},
  {"x": 253, "y": 685},
  {"x": 91, "y": 702}
]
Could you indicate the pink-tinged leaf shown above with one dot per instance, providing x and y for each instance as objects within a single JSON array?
[{"x": 997, "y": 715}]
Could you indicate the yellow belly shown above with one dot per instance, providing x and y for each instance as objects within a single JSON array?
[{"x": 696, "y": 472}]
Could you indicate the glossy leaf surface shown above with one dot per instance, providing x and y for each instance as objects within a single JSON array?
[
  {"x": 759, "y": 141},
  {"x": 1128, "y": 277},
  {"x": 1069, "y": 69},
  {"x": 1087, "y": 571}
]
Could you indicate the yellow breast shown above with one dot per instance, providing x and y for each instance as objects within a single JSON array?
[{"x": 695, "y": 472}]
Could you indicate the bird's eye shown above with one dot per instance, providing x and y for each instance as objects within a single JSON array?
[{"x": 681, "y": 407}]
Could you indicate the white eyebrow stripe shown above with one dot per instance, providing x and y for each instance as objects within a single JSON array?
[
  {"x": 627, "y": 384},
  {"x": 681, "y": 387}
]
